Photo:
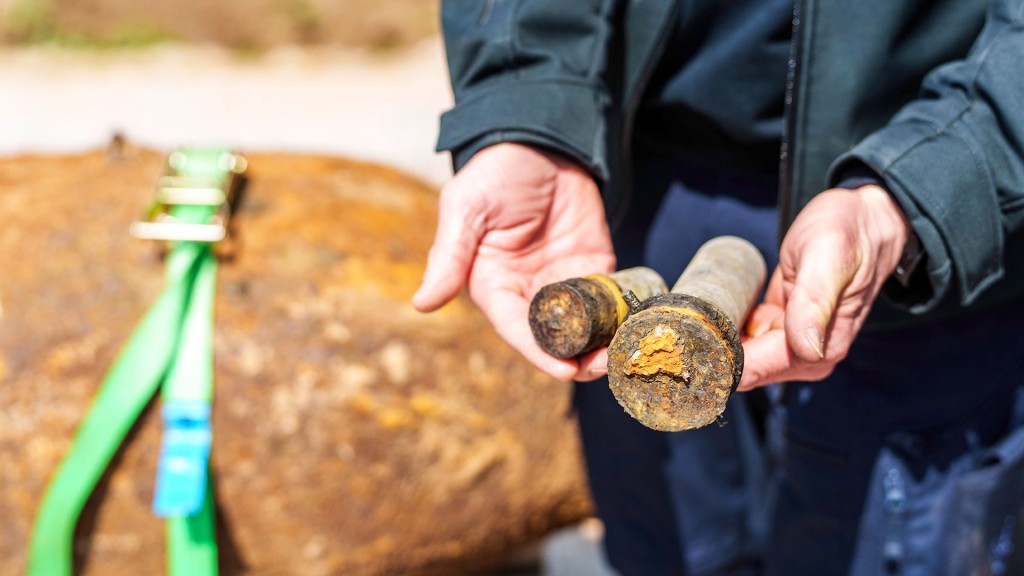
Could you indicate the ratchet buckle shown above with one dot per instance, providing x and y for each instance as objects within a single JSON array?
[{"x": 193, "y": 177}]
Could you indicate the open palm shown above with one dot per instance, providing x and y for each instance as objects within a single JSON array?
[{"x": 512, "y": 220}]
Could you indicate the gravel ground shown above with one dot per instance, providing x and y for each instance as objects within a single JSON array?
[
  {"x": 376, "y": 108},
  {"x": 382, "y": 109}
]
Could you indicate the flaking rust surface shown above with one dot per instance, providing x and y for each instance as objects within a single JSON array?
[
  {"x": 659, "y": 352},
  {"x": 352, "y": 435},
  {"x": 670, "y": 369},
  {"x": 573, "y": 317}
]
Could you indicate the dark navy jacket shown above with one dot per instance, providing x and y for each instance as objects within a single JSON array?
[{"x": 927, "y": 94}]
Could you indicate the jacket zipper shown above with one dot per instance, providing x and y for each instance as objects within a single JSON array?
[{"x": 786, "y": 176}]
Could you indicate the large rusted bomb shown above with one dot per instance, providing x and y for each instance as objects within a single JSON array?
[{"x": 352, "y": 435}]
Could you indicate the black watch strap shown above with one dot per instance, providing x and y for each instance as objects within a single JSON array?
[{"x": 910, "y": 260}]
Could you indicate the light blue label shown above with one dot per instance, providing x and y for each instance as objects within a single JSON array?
[{"x": 182, "y": 470}]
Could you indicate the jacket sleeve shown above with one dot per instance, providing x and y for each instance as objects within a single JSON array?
[
  {"x": 527, "y": 71},
  {"x": 954, "y": 159}
]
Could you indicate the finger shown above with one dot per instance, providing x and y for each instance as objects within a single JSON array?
[
  {"x": 763, "y": 318},
  {"x": 593, "y": 366},
  {"x": 451, "y": 256},
  {"x": 822, "y": 276},
  {"x": 508, "y": 312},
  {"x": 767, "y": 359}
]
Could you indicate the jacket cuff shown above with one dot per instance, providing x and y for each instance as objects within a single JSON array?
[
  {"x": 565, "y": 116},
  {"x": 462, "y": 154},
  {"x": 939, "y": 181}
]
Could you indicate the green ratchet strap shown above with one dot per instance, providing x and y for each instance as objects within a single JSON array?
[{"x": 173, "y": 346}]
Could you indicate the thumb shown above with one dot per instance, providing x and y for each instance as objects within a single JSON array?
[
  {"x": 459, "y": 229},
  {"x": 821, "y": 278}
]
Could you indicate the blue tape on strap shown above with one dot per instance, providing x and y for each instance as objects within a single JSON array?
[{"x": 181, "y": 474}]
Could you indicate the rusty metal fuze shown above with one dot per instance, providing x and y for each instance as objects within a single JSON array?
[
  {"x": 677, "y": 358},
  {"x": 580, "y": 315}
]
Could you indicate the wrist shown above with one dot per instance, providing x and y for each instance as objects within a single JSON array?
[{"x": 896, "y": 240}]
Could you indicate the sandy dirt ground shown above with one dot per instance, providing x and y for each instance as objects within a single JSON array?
[{"x": 364, "y": 106}]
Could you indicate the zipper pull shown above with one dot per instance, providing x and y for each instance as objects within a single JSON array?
[
  {"x": 1003, "y": 550},
  {"x": 895, "y": 508}
]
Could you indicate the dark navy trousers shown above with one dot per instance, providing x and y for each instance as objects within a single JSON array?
[{"x": 832, "y": 477}]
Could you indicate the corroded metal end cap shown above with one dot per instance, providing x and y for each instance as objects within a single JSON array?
[
  {"x": 674, "y": 364},
  {"x": 573, "y": 317}
]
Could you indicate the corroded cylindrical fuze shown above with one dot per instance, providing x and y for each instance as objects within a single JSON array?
[
  {"x": 674, "y": 363},
  {"x": 579, "y": 315}
]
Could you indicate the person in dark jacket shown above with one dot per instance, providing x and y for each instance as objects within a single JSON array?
[{"x": 593, "y": 134}]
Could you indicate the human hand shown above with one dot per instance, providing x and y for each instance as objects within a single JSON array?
[
  {"x": 514, "y": 219},
  {"x": 837, "y": 254}
]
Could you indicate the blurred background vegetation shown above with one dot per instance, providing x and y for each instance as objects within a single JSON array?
[{"x": 242, "y": 25}]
